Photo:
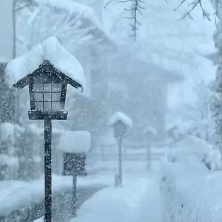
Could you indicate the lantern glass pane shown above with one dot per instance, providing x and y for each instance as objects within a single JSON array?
[
  {"x": 47, "y": 106},
  {"x": 37, "y": 87},
  {"x": 56, "y": 97},
  {"x": 56, "y": 87},
  {"x": 56, "y": 106},
  {"x": 39, "y": 106},
  {"x": 38, "y": 97},
  {"x": 47, "y": 87},
  {"x": 47, "y": 97}
]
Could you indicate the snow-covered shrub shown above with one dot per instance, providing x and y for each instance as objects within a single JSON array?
[
  {"x": 30, "y": 153},
  {"x": 191, "y": 194},
  {"x": 213, "y": 160},
  {"x": 8, "y": 150},
  {"x": 190, "y": 146},
  {"x": 193, "y": 146},
  {"x": 175, "y": 178}
]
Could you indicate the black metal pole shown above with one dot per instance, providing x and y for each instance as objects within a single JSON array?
[
  {"x": 74, "y": 193},
  {"x": 120, "y": 161},
  {"x": 48, "y": 168}
]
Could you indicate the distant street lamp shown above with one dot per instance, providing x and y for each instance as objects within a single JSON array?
[
  {"x": 47, "y": 89},
  {"x": 119, "y": 122},
  {"x": 150, "y": 133}
]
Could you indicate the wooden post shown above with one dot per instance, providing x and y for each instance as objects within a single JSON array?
[
  {"x": 120, "y": 161},
  {"x": 48, "y": 168},
  {"x": 148, "y": 155}
]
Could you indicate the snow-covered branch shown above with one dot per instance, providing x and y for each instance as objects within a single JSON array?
[{"x": 194, "y": 4}]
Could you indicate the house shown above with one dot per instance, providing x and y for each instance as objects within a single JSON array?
[
  {"x": 140, "y": 89},
  {"x": 116, "y": 79}
]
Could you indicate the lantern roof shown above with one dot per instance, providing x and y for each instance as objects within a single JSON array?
[
  {"x": 50, "y": 50},
  {"x": 150, "y": 129},
  {"x": 119, "y": 116}
]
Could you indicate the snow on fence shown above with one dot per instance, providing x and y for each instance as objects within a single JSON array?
[
  {"x": 130, "y": 152},
  {"x": 190, "y": 192}
]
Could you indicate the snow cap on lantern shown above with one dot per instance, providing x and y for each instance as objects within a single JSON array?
[
  {"x": 120, "y": 121},
  {"x": 47, "y": 68}
]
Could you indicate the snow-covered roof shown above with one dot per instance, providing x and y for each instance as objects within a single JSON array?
[
  {"x": 50, "y": 50},
  {"x": 75, "y": 142},
  {"x": 80, "y": 20},
  {"x": 119, "y": 116}
]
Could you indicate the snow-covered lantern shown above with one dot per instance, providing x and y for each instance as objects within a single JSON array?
[
  {"x": 119, "y": 128},
  {"x": 119, "y": 121},
  {"x": 150, "y": 132},
  {"x": 42, "y": 69},
  {"x": 47, "y": 89}
]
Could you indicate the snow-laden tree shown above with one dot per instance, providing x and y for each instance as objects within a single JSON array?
[{"x": 216, "y": 99}]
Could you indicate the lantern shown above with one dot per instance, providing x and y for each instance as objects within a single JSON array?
[{"x": 47, "y": 89}]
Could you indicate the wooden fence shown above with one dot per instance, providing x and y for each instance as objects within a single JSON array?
[{"x": 130, "y": 152}]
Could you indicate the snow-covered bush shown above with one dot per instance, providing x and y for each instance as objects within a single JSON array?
[
  {"x": 174, "y": 177},
  {"x": 213, "y": 160},
  {"x": 8, "y": 150},
  {"x": 30, "y": 154},
  {"x": 190, "y": 146},
  {"x": 191, "y": 193}
]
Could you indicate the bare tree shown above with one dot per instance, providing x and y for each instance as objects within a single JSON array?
[{"x": 135, "y": 9}]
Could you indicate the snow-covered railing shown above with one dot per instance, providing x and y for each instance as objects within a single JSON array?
[{"x": 109, "y": 151}]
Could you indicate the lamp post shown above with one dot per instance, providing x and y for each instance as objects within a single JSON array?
[
  {"x": 150, "y": 133},
  {"x": 119, "y": 129},
  {"x": 47, "y": 89}
]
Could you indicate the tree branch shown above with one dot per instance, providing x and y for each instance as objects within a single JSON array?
[{"x": 193, "y": 4}]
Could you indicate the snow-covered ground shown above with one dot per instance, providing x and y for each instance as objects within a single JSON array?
[
  {"x": 17, "y": 194},
  {"x": 178, "y": 188},
  {"x": 137, "y": 200}
]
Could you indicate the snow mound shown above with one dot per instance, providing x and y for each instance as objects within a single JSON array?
[
  {"x": 75, "y": 142},
  {"x": 213, "y": 159},
  {"x": 50, "y": 50},
  {"x": 183, "y": 127},
  {"x": 190, "y": 193},
  {"x": 113, "y": 204},
  {"x": 190, "y": 146},
  {"x": 122, "y": 117}
]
